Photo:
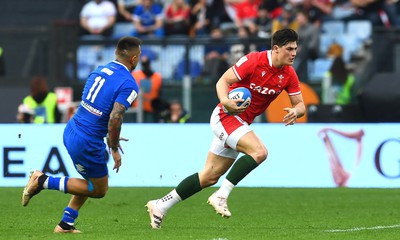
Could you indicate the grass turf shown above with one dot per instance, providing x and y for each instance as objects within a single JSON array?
[{"x": 257, "y": 213}]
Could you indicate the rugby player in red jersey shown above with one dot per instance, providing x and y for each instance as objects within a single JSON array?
[{"x": 266, "y": 74}]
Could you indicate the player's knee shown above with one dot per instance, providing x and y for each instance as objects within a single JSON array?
[
  {"x": 208, "y": 180},
  {"x": 99, "y": 193},
  {"x": 260, "y": 155},
  {"x": 213, "y": 180}
]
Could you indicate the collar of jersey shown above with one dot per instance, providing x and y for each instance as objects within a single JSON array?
[
  {"x": 117, "y": 62},
  {"x": 270, "y": 65}
]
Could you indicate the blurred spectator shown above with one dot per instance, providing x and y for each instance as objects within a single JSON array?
[
  {"x": 231, "y": 7},
  {"x": 177, "y": 18},
  {"x": 236, "y": 51},
  {"x": 42, "y": 102},
  {"x": 176, "y": 113},
  {"x": 98, "y": 17},
  {"x": 379, "y": 12},
  {"x": 335, "y": 50},
  {"x": 229, "y": 27},
  {"x": 216, "y": 57},
  {"x": 219, "y": 14},
  {"x": 246, "y": 15},
  {"x": 308, "y": 48},
  {"x": 161, "y": 110},
  {"x": 148, "y": 19},
  {"x": 317, "y": 10},
  {"x": 150, "y": 83},
  {"x": 200, "y": 17},
  {"x": 25, "y": 114},
  {"x": 263, "y": 22},
  {"x": 287, "y": 19},
  {"x": 326, "y": 6},
  {"x": 274, "y": 7},
  {"x": 338, "y": 83},
  {"x": 343, "y": 9},
  {"x": 125, "y": 9}
]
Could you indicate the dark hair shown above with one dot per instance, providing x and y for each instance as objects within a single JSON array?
[
  {"x": 39, "y": 88},
  {"x": 339, "y": 71},
  {"x": 283, "y": 37},
  {"x": 38, "y": 85},
  {"x": 127, "y": 46}
]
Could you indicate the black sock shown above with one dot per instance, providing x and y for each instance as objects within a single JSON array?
[
  {"x": 41, "y": 181},
  {"x": 66, "y": 226}
]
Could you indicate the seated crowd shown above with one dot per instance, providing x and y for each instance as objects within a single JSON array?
[
  {"x": 242, "y": 18},
  {"x": 218, "y": 19}
]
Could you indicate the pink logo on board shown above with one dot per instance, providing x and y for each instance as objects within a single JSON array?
[{"x": 339, "y": 173}]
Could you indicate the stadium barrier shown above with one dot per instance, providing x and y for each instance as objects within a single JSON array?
[{"x": 304, "y": 155}]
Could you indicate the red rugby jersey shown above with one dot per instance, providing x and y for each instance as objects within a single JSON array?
[{"x": 265, "y": 82}]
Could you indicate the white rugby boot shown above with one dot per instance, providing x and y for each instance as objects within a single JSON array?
[
  {"x": 156, "y": 216},
  {"x": 219, "y": 204},
  {"x": 32, "y": 187}
]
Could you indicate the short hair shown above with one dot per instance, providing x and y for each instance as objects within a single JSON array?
[
  {"x": 283, "y": 37},
  {"x": 127, "y": 46}
]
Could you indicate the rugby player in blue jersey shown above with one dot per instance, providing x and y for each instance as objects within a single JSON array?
[{"x": 108, "y": 93}]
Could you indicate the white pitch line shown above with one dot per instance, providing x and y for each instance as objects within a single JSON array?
[{"x": 363, "y": 228}]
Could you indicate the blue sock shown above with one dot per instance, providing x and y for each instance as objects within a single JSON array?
[
  {"x": 57, "y": 183},
  {"x": 69, "y": 216}
]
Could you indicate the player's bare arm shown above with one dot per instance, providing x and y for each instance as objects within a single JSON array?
[
  {"x": 222, "y": 87},
  {"x": 297, "y": 110},
  {"x": 114, "y": 130},
  {"x": 114, "y": 125}
]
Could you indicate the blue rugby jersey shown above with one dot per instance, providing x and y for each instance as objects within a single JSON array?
[{"x": 105, "y": 86}]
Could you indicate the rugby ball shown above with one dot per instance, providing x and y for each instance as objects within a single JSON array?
[{"x": 241, "y": 93}]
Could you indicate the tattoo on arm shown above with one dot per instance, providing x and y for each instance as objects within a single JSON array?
[{"x": 114, "y": 125}]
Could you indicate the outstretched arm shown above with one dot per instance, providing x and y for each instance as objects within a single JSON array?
[{"x": 297, "y": 110}]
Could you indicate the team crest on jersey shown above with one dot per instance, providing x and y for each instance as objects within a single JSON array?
[
  {"x": 280, "y": 78},
  {"x": 263, "y": 74}
]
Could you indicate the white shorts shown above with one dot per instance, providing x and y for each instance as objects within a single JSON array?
[{"x": 227, "y": 129}]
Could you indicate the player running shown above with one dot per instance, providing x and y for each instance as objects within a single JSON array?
[
  {"x": 266, "y": 74},
  {"x": 108, "y": 93}
]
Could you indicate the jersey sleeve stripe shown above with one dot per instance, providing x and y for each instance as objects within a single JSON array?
[
  {"x": 294, "y": 93},
  {"x": 236, "y": 73}
]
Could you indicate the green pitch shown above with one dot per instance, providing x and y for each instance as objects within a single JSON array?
[{"x": 257, "y": 213}]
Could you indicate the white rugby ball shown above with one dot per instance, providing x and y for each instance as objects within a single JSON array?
[{"x": 241, "y": 93}]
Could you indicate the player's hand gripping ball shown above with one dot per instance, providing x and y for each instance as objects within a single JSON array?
[{"x": 241, "y": 93}]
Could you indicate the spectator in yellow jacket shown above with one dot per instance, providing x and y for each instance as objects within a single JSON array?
[{"x": 42, "y": 102}]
